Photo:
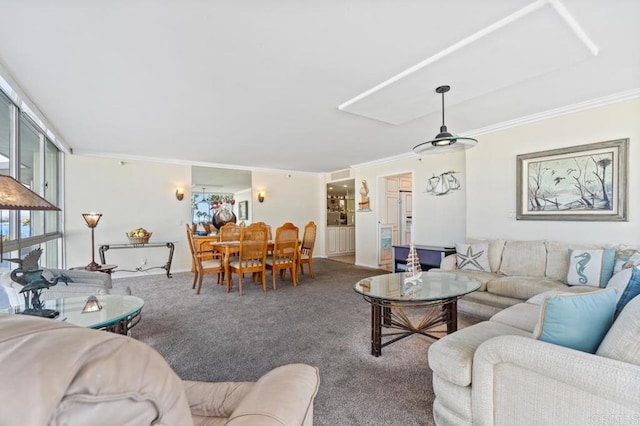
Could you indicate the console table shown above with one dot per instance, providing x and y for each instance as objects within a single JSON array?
[
  {"x": 166, "y": 266},
  {"x": 430, "y": 256}
]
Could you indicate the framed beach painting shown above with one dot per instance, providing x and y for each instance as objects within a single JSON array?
[{"x": 579, "y": 183}]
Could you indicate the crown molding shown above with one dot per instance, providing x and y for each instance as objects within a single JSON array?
[{"x": 557, "y": 112}]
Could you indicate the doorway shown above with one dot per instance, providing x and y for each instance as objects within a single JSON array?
[
  {"x": 396, "y": 214},
  {"x": 341, "y": 221}
]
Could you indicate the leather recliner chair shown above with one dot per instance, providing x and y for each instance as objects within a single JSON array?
[{"x": 55, "y": 373}]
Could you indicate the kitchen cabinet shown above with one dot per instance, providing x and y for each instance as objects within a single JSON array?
[{"x": 341, "y": 240}]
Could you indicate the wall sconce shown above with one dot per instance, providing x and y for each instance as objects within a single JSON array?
[
  {"x": 261, "y": 196},
  {"x": 179, "y": 193}
]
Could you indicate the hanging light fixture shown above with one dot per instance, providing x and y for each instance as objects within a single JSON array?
[{"x": 444, "y": 141}]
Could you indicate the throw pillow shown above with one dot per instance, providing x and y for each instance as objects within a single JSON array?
[
  {"x": 578, "y": 321},
  {"x": 473, "y": 257},
  {"x": 590, "y": 267},
  {"x": 626, "y": 283},
  {"x": 626, "y": 257}
]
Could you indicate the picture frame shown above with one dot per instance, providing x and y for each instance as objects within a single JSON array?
[
  {"x": 578, "y": 183},
  {"x": 243, "y": 210},
  {"x": 385, "y": 244}
]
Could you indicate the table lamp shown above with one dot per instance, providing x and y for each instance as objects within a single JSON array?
[
  {"x": 92, "y": 220},
  {"x": 15, "y": 196}
]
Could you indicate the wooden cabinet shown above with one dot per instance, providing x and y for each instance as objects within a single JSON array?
[
  {"x": 393, "y": 185},
  {"x": 340, "y": 240},
  {"x": 405, "y": 183}
]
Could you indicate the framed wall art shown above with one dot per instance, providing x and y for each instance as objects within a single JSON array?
[
  {"x": 243, "y": 209},
  {"x": 579, "y": 183}
]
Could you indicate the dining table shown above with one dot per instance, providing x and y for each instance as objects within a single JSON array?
[{"x": 231, "y": 248}]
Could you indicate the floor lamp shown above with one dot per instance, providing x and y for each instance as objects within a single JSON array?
[{"x": 15, "y": 196}]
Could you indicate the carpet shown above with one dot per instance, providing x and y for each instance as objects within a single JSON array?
[{"x": 220, "y": 336}]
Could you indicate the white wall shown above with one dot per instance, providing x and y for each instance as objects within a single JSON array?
[
  {"x": 437, "y": 220},
  {"x": 135, "y": 194},
  {"x": 142, "y": 194},
  {"x": 491, "y": 176},
  {"x": 290, "y": 197}
]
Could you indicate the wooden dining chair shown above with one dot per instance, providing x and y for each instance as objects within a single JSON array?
[
  {"x": 306, "y": 247},
  {"x": 230, "y": 232},
  {"x": 205, "y": 261},
  {"x": 252, "y": 255},
  {"x": 285, "y": 254}
]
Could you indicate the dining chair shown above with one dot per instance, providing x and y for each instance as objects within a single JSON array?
[
  {"x": 285, "y": 254},
  {"x": 251, "y": 257},
  {"x": 269, "y": 235},
  {"x": 306, "y": 247},
  {"x": 230, "y": 232},
  {"x": 206, "y": 261}
]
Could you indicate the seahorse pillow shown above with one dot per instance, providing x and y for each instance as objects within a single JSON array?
[
  {"x": 473, "y": 257},
  {"x": 590, "y": 267}
]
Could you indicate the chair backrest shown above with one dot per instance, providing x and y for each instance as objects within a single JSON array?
[
  {"x": 308, "y": 239},
  {"x": 253, "y": 243},
  {"x": 192, "y": 247},
  {"x": 230, "y": 232},
  {"x": 269, "y": 235},
  {"x": 285, "y": 246}
]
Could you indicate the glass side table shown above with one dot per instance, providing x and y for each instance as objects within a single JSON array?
[{"x": 119, "y": 314}]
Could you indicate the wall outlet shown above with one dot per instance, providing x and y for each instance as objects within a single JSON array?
[{"x": 143, "y": 261}]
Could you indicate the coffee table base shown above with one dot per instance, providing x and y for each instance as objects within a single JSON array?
[
  {"x": 124, "y": 325},
  {"x": 392, "y": 315}
]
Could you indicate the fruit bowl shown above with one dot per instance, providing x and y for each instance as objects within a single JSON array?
[{"x": 138, "y": 236}]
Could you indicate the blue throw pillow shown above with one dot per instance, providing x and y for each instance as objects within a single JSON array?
[
  {"x": 576, "y": 320},
  {"x": 626, "y": 283}
]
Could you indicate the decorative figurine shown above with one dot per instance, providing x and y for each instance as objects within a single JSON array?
[
  {"x": 29, "y": 275},
  {"x": 363, "y": 205}
]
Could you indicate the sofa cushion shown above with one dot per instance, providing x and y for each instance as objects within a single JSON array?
[
  {"x": 483, "y": 277},
  {"x": 495, "y": 251},
  {"x": 473, "y": 257},
  {"x": 622, "y": 342},
  {"x": 578, "y": 321},
  {"x": 590, "y": 267},
  {"x": 524, "y": 258},
  {"x": 626, "y": 283},
  {"x": 558, "y": 260},
  {"x": 452, "y": 356},
  {"x": 523, "y": 316},
  {"x": 522, "y": 287}
]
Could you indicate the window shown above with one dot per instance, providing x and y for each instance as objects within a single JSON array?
[{"x": 28, "y": 154}]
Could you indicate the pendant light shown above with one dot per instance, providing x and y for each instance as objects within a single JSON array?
[{"x": 444, "y": 141}]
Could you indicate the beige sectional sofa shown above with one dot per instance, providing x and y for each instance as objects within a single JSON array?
[
  {"x": 518, "y": 270},
  {"x": 496, "y": 373}
]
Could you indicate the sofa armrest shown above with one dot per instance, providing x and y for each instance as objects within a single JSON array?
[
  {"x": 215, "y": 399},
  {"x": 516, "y": 379},
  {"x": 283, "y": 396},
  {"x": 98, "y": 279},
  {"x": 449, "y": 263}
]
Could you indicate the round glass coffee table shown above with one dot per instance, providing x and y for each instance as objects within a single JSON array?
[
  {"x": 390, "y": 295},
  {"x": 117, "y": 313}
]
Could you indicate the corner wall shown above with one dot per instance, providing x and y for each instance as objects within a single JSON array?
[{"x": 491, "y": 176}]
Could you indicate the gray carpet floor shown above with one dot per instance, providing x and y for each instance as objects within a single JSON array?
[{"x": 220, "y": 336}]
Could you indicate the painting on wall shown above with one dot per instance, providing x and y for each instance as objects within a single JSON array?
[
  {"x": 243, "y": 208},
  {"x": 385, "y": 244},
  {"x": 579, "y": 183}
]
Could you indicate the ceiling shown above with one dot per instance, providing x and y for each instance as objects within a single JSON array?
[{"x": 312, "y": 86}]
